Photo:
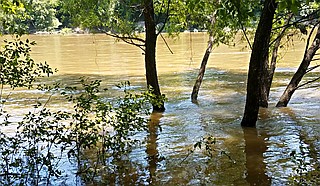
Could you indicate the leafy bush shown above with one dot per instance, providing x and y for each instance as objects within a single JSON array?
[
  {"x": 17, "y": 67},
  {"x": 95, "y": 130},
  {"x": 306, "y": 172},
  {"x": 94, "y": 125}
]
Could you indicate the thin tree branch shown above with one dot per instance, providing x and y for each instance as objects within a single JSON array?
[
  {"x": 166, "y": 19},
  {"x": 308, "y": 40},
  {"x": 242, "y": 26},
  {"x": 308, "y": 82},
  {"x": 129, "y": 40},
  {"x": 245, "y": 34},
  {"x": 126, "y": 37},
  {"x": 283, "y": 30},
  {"x": 303, "y": 19},
  {"x": 166, "y": 43},
  {"x": 312, "y": 68}
]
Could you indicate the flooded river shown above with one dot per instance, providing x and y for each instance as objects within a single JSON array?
[{"x": 258, "y": 156}]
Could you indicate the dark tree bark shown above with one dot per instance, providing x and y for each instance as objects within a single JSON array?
[
  {"x": 150, "y": 52},
  {"x": 270, "y": 67},
  {"x": 257, "y": 60},
  {"x": 302, "y": 70},
  {"x": 263, "y": 99},
  {"x": 196, "y": 87}
]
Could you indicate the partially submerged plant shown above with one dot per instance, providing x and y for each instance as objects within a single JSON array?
[
  {"x": 88, "y": 135},
  {"x": 97, "y": 126}
]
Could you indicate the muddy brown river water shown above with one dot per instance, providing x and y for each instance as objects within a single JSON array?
[{"x": 258, "y": 156}]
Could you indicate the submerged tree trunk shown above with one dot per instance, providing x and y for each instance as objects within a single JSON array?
[
  {"x": 302, "y": 70},
  {"x": 150, "y": 52},
  {"x": 269, "y": 68},
  {"x": 263, "y": 99},
  {"x": 197, "y": 84},
  {"x": 257, "y": 60},
  {"x": 196, "y": 87}
]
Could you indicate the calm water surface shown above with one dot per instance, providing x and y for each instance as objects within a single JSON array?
[{"x": 257, "y": 156}]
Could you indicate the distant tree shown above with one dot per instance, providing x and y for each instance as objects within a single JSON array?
[
  {"x": 41, "y": 15},
  {"x": 25, "y": 16},
  {"x": 10, "y": 12}
]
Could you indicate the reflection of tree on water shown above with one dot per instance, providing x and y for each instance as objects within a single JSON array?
[
  {"x": 254, "y": 148},
  {"x": 127, "y": 172},
  {"x": 152, "y": 152}
]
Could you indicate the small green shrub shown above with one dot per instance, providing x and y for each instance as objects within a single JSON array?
[
  {"x": 17, "y": 67},
  {"x": 95, "y": 125},
  {"x": 95, "y": 130},
  {"x": 305, "y": 172}
]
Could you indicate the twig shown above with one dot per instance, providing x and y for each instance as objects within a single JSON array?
[
  {"x": 46, "y": 103},
  {"x": 308, "y": 82},
  {"x": 306, "y": 18},
  {"x": 166, "y": 43},
  {"x": 308, "y": 40},
  {"x": 184, "y": 159},
  {"x": 166, "y": 19},
  {"x": 312, "y": 68},
  {"x": 1, "y": 93},
  {"x": 242, "y": 26},
  {"x": 129, "y": 40},
  {"x": 286, "y": 26}
]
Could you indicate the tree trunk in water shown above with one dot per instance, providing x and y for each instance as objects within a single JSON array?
[
  {"x": 257, "y": 60},
  {"x": 263, "y": 99},
  {"x": 302, "y": 70},
  {"x": 197, "y": 84},
  {"x": 196, "y": 87},
  {"x": 268, "y": 73},
  {"x": 150, "y": 52},
  {"x": 269, "y": 69}
]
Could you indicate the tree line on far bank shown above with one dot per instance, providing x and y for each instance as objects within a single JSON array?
[{"x": 269, "y": 21}]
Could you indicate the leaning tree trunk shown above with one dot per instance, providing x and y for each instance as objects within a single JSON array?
[
  {"x": 197, "y": 84},
  {"x": 150, "y": 52},
  {"x": 196, "y": 87},
  {"x": 302, "y": 70},
  {"x": 269, "y": 69},
  {"x": 257, "y": 60}
]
